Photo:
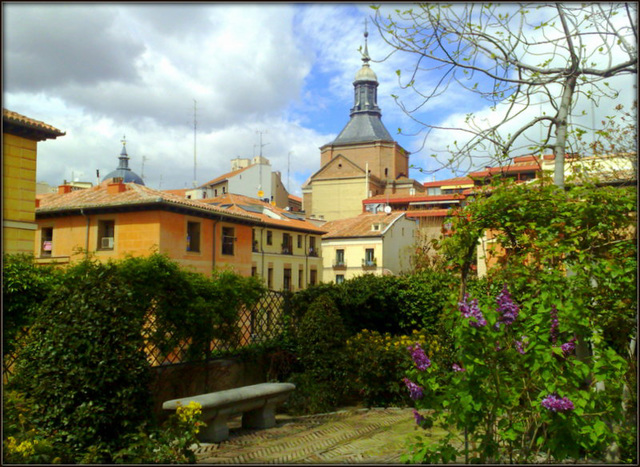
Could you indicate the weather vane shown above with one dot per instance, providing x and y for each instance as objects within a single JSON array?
[{"x": 124, "y": 140}]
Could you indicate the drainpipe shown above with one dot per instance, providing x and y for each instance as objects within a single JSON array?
[
  {"x": 306, "y": 261},
  {"x": 213, "y": 248},
  {"x": 262, "y": 250},
  {"x": 86, "y": 242}
]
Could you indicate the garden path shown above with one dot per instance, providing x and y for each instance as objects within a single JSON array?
[{"x": 349, "y": 436}]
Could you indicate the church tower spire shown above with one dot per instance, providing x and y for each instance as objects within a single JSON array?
[{"x": 365, "y": 124}]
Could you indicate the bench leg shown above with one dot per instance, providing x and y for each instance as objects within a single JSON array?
[
  {"x": 215, "y": 431},
  {"x": 264, "y": 417}
]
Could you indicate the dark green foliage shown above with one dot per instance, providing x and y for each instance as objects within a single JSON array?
[
  {"x": 391, "y": 304},
  {"x": 25, "y": 285},
  {"x": 188, "y": 306},
  {"x": 424, "y": 297},
  {"x": 321, "y": 339},
  {"x": 84, "y": 364}
]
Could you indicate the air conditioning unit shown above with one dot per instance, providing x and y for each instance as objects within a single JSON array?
[{"x": 107, "y": 242}]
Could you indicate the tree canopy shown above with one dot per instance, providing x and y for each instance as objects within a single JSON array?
[{"x": 518, "y": 57}]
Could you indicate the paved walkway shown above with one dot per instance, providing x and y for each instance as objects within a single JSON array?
[{"x": 348, "y": 436}]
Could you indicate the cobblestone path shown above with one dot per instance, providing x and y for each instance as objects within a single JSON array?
[{"x": 349, "y": 436}]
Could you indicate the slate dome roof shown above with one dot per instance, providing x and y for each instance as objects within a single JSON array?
[{"x": 123, "y": 171}]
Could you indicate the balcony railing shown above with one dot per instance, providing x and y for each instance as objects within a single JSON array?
[
  {"x": 313, "y": 252},
  {"x": 287, "y": 250},
  {"x": 339, "y": 264},
  {"x": 369, "y": 263}
]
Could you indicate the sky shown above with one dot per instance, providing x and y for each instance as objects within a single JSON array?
[{"x": 193, "y": 86}]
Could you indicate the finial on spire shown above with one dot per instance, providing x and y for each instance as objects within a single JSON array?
[
  {"x": 124, "y": 140},
  {"x": 366, "y": 57}
]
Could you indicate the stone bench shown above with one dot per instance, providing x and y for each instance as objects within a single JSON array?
[{"x": 256, "y": 403}]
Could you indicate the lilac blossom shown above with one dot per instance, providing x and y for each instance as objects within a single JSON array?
[
  {"x": 520, "y": 344},
  {"x": 554, "y": 324},
  {"x": 418, "y": 418},
  {"x": 507, "y": 309},
  {"x": 415, "y": 391},
  {"x": 471, "y": 310},
  {"x": 457, "y": 367},
  {"x": 418, "y": 356},
  {"x": 556, "y": 404},
  {"x": 568, "y": 348}
]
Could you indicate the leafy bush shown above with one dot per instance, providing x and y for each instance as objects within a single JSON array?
[
  {"x": 25, "y": 285},
  {"x": 188, "y": 307},
  {"x": 321, "y": 338},
  {"x": 379, "y": 363},
  {"x": 84, "y": 364}
]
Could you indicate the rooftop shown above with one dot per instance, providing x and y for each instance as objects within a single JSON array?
[{"x": 17, "y": 124}]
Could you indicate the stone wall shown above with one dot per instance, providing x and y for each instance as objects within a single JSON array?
[{"x": 191, "y": 379}]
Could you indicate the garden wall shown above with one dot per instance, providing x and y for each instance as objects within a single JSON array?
[{"x": 194, "y": 378}]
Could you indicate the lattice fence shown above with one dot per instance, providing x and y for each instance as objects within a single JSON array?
[{"x": 263, "y": 322}]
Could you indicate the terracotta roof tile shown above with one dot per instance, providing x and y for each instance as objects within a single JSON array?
[
  {"x": 14, "y": 118},
  {"x": 360, "y": 226},
  {"x": 225, "y": 176},
  {"x": 134, "y": 194},
  {"x": 237, "y": 201}
]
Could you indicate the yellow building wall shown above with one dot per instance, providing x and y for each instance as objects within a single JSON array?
[
  {"x": 271, "y": 256},
  {"x": 354, "y": 254},
  {"x": 141, "y": 234},
  {"x": 339, "y": 198},
  {"x": 18, "y": 194}
]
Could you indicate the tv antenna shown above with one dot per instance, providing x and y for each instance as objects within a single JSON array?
[
  {"x": 260, "y": 192},
  {"x": 195, "y": 124}
]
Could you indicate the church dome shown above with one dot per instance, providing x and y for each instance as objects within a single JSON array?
[
  {"x": 366, "y": 74},
  {"x": 123, "y": 171}
]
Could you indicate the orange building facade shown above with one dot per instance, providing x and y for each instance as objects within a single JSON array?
[{"x": 114, "y": 220}]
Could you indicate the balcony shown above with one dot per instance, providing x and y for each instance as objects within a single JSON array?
[
  {"x": 287, "y": 249},
  {"x": 255, "y": 248},
  {"x": 313, "y": 252},
  {"x": 339, "y": 264},
  {"x": 369, "y": 263}
]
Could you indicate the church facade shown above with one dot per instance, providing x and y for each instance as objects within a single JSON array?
[{"x": 363, "y": 161}]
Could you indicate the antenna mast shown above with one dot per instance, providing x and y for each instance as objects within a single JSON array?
[
  {"x": 260, "y": 192},
  {"x": 288, "y": 171}
]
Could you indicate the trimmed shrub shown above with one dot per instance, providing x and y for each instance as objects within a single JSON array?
[
  {"x": 84, "y": 364},
  {"x": 321, "y": 338}
]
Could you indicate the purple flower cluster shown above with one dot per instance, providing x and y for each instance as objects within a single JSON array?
[
  {"x": 415, "y": 391},
  {"x": 471, "y": 310},
  {"x": 520, "y": 345},
  {"x": 554, "y": 324},
  {"x": 418, "y": 356},
  {"x": 457, "y": 367},
  {"x": 507, "y": 309},
  {"x": 419, "y": 418},
  {"x": 568, "y": 348},
  {"x": 557, "y": 404}
]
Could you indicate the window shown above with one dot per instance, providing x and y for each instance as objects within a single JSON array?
[
  {"x": 368, "y": 255},
  {"x": 224, "y": 190},
  {"x": 269, "y": 237},
  {"x": 286, "y": 279},
  {"x": 254, "y": 271},
  {"x": 313, "y": 277},
  {"x": 339, "y": 278},
  {"x": 299, "y": 241},
  {"x": 339, "y": 257},
  {"x": 312, "y": 247},
  {"x": 204, "y": 194},
  {"x": 215, "y": 192},
  {"x": 106, "y": 235},
  {"x": 227, "y": 240},
  {"x": 300, "y": 276},
  {"x": 193, "y": 236},
  {"x": 47, "y": 241},
  {"x": 254, "y": 242},
  {"x": 270, "y": 278},
  {"x": 287, "y": 244}
]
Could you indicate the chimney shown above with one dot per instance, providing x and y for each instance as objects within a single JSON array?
[
  {"x": 37, "y": 202},
  {"x": 116, "y": 186},
  {"x": 62, "y": 189}
]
